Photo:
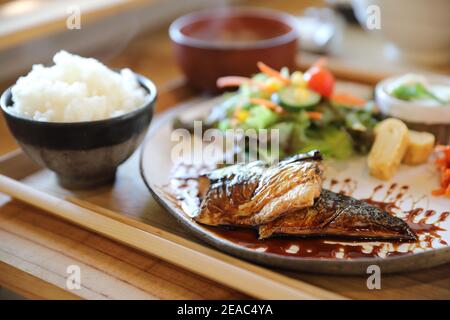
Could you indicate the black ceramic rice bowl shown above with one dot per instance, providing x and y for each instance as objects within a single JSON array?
[{"x": 82, "y": 154}]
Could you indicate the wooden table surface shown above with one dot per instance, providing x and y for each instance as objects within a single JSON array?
[{"x": 36, "y": 248}]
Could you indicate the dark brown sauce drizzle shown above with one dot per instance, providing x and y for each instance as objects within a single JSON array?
[
  {"x": 337, "y": 247},
  {"x": 302, "y": 247},
  {"x": 390, "y": 206}
]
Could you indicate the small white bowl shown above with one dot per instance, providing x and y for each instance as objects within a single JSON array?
[
  {"x": 416, "y": 114},
  {"x": 412, "y": 111}
]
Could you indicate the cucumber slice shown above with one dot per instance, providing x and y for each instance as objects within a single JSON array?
[{"x": 294, "y": 98}]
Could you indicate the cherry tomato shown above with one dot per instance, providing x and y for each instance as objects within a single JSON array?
[{"x": 320, "y": 80}]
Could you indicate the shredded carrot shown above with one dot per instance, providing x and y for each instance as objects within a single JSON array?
[
  {"x": 268, "y": 104},
  {"x": 239, "y": 115},
  {"x": 314, "y": 115},
  {"x": 264, "y": 68},
  {"x": 445, "y": 179},
  {"x": 438, "y": 192},
  {"x": 442, "y": 162},
  {"x": 348, "y": 99},
  {"x": 236, "y": 81},
  {"x": 232, "y": 81}
]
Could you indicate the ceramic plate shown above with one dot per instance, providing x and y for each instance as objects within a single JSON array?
[{"x": 407, "y": 196}]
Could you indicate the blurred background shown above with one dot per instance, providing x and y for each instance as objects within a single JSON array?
[
  {"x": 396, "y": 37},
  {"x": 362, "y": 39},
  {"x": 134, "y": 33}
]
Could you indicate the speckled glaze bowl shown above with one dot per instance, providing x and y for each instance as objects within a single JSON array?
[{"x": 82, "y": 154}]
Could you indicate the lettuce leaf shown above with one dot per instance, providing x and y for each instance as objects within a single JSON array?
[
  {"x": 331, "y": 141},
  {"x": 260, "y": 118}
]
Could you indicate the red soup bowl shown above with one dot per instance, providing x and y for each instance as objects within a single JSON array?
[{"x": 230, "y": 41}]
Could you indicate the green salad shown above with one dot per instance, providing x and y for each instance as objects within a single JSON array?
[{"x": 303, "y": 107}]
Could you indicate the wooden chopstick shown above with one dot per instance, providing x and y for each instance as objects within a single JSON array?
[
  {"x": 195, "y": 246},
  {"x": 232, "y": 272}
]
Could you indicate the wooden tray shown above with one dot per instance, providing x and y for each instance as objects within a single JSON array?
[
  {"x": 158, "y": 163},
  {"x": 140, "y": 214}
]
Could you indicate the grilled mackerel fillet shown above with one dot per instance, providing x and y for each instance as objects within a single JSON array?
[
  {"x": 255, "y": 193},
  {"x": 287, "y": 199},
  {"x": 338, "y": 215}
]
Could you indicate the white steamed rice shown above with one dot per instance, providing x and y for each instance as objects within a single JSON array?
[{"x": 75, "y": 89}]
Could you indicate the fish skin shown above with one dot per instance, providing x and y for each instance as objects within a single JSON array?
[
  {"x": 339, "y": 215},
  {"x": 256, "y": 193},
  {"x": 227, "y": 188}
]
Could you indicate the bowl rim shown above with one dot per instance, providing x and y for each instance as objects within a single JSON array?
[
  {"x": 143, "y": 81},
  {"x": 269, "y": 14}
]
